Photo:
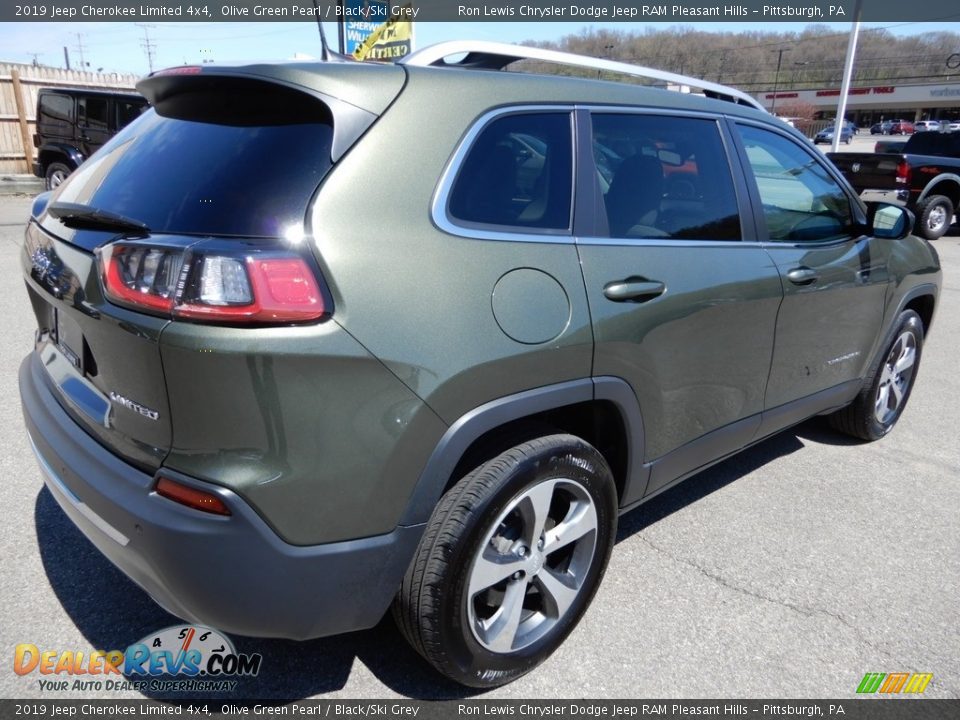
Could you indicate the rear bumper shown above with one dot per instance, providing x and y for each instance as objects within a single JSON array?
[
  {"x": 38, "y": 169},
  {"x": 232, "y": 573},
  {"x": 898, "y": 196}
]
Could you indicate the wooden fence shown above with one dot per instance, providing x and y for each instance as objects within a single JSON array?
[{"x": 18, "y": 105}]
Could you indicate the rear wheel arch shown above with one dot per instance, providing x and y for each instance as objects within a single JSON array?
[
  {"x": 601, "y": 411},
  {"x": 947, "y": 185},
  {"x": 48, "y": 155}
]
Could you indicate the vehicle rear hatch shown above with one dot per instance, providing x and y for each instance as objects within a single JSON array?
[
  {"x": 226, "y": 157},
  {"x": 868, "y": 170}
]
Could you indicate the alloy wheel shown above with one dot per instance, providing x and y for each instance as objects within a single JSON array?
[
  {"x": 532, "y": 565},
  {"x": 895, "y": 377}
]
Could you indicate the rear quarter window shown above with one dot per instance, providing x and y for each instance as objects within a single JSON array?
[
  {"x": 55, "y": 113},
  {"x": 517, "y": 175}
]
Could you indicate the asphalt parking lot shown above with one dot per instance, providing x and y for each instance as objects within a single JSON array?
[{"x": 788, "y": 571}]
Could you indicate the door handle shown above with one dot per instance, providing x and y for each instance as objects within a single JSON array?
[
  {"x": 633, "y": 290},
  {"x": 802, "y": 275}
]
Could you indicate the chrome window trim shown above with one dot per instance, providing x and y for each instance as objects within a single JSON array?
[
  {"x": 667, "y": 242},
  {"x": 441, "y": 198}
]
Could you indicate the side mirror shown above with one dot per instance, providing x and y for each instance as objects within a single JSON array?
[{"x": 890, "y": 222}]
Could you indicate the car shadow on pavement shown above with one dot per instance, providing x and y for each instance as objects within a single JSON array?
[
  {"x": 112, "y": 613},
  {"x": 712, "y": 479}
]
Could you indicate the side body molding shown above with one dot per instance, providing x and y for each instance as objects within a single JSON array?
[{"x": 471, "y": 426}]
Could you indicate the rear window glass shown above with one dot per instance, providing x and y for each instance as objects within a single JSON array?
[
  {"x": 518, "y": 174},
  {"x": 56, "y": 112},
  {"x": 216, "y": 164},
  {"x": 934, "y": 143}
]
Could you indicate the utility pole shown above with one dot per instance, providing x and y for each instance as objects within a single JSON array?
[
  {"x": 148, "y": 47},
  {"x": 35, "y": 63},
  {"x": 847, "y": 76},
  {"x": 723, "y": 58},
  {"x": 606, "y": 54},
  {"x": 776, "y": 80},
  {"x": 83, "y": 64},
  {"x": 66, "y": 57}
]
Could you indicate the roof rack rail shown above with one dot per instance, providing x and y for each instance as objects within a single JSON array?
[{"x": 486, "y": 55}]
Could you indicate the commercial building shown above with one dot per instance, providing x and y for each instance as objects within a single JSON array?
[{"x": 868, "y": 105}]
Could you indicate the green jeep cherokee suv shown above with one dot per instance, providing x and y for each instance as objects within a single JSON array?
[{"x": 318, "y": 338}]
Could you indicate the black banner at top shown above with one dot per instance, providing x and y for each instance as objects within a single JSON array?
[{"x": 685, "y": 11}]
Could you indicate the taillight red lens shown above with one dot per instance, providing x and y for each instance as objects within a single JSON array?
[
  {"x": 191, "y": 497},
  {"x": 903, "y": 172},
  {"x": 261, "y": 285},
  {"x": 279, "y": 289},
  {"x": 140, "y": 276}
]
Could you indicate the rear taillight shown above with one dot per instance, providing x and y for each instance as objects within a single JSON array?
[
  {"x": 256, "y": 285},
  {"x": 903, "y": 172},
  {"x": 140, "y": 276}
]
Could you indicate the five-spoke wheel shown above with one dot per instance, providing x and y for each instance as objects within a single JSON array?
[{"x": 510, "y": 560}]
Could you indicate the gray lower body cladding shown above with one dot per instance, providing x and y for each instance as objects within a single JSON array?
[{"x": 233, "y": 573}]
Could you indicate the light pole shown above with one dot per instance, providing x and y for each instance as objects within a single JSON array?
[{"x": 776, "y": 80}]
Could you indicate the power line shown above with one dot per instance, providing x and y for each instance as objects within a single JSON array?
[
  {"x": 147, "y": 45},
  {"x": 83, "y": 63}
]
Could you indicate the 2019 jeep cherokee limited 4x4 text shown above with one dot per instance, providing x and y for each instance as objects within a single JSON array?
[{"x": 342, "y": 345}]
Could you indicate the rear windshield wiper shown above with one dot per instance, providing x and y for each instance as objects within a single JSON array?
[{"x": 84, "y": 217}]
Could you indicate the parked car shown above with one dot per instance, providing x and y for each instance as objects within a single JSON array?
[
  {"x": 282, "y": 400},
  {"x": 826, "y": 135},
  {"x": 901, "y": 127},
  {"x": 877, "y": 129},
  {"x": 73, "y": 123},
  {"x": 953, "y": 126},
  {"x": 927, "y": 126}
]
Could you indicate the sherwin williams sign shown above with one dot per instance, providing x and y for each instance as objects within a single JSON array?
[
  {"x": 392, "y": 40},
  {"x": 375, "y": 29},
  {"x": 359, "y": 20}
]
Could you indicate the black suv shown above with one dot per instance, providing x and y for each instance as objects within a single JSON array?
[
  {"x": 73, "y": 124},
  {"x": 311, "y": 342}
]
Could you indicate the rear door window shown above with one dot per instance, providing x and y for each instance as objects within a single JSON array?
[
  {"x": 664, "y": 177},
  {"x": 95, "y": 113},
  {"x": 128, "y": 111},
  {"x": 242, "y": 162},
  {"x": 518, "y": 175}
]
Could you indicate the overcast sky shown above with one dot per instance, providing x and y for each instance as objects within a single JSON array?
[{"x": 118, "y": 47}]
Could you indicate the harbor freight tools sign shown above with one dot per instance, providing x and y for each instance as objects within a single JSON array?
[{"x": 360, "y": 18}]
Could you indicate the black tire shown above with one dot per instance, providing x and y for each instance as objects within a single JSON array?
[
  {"x": 56, "y": 174},
  {"x": 861, "y": 418},
  {"x": 473, "y": 528},
  {"x": 934, "y": 216}
]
